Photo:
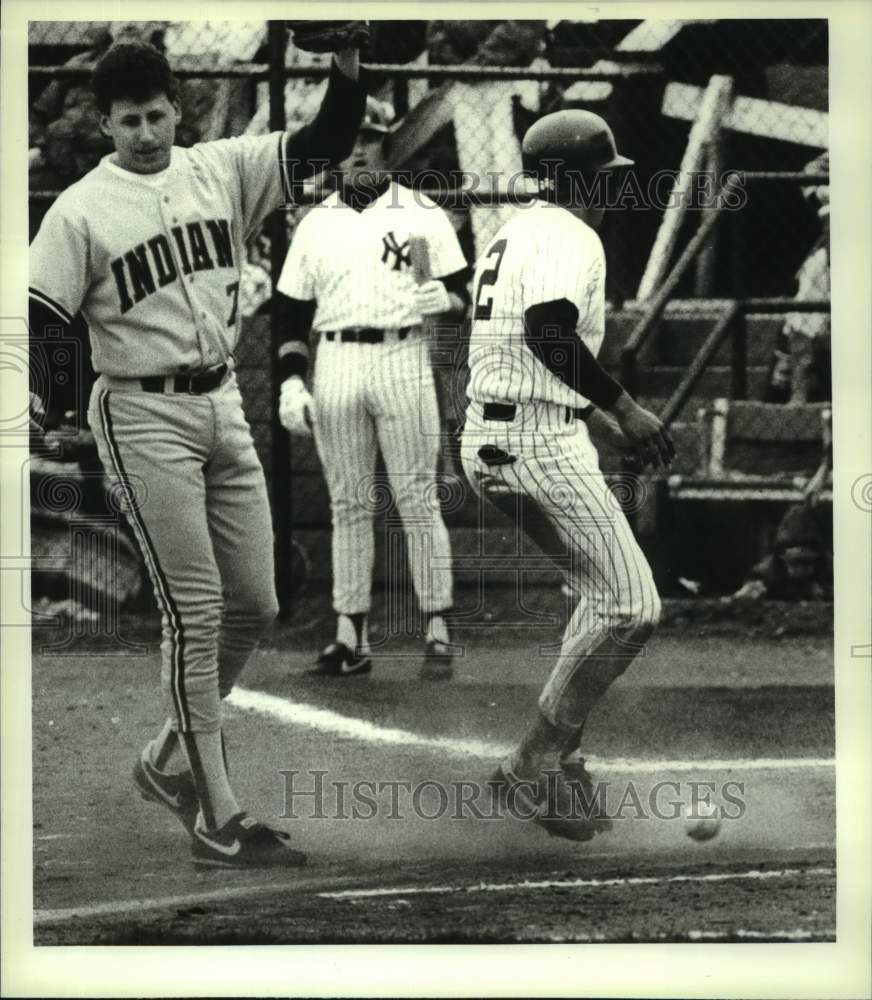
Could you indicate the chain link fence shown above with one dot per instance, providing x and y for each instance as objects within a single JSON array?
[{"x": 688, "y": 101}]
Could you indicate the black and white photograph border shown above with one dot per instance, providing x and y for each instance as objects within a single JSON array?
[{"x": 473, "y": 736}]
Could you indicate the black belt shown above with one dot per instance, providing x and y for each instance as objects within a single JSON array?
[
  {"x": 507, "y": 411},
  {"x": 364, "y": 334},
  {"x": 196, "y": 384}
]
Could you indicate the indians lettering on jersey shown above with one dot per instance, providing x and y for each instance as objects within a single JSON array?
[{"x": 151, "y": 265}]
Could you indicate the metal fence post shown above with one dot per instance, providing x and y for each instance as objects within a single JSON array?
[
  {"x": 280, "y": 440},
  {"x": 739, "y": 249},
  {"x": 739, "y": 356}
]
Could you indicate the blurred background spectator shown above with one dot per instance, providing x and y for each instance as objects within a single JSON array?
[
  {"x": 800, "y": 566},
  {"x": 801, "y": 363},
  {"x": 213, "y": 107},
  {"x": 485, "y": 133}
]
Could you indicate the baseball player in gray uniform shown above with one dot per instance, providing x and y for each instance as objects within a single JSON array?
[
  {"x": 534, "y": 387},
  {"x": 353, "y": 275},
  {"x": 149, "y": 247}
]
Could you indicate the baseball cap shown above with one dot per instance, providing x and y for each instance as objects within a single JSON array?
[{"x": 378, "y": 117}]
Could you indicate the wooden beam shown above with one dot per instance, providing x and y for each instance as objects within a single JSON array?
[
  {"x": 650, "y": 36},
  {"x": 714, "y": 164},
  {"x": 711, "y": 108},
  {"x": 754, "y": 116}
]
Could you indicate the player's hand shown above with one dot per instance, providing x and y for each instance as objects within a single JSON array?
[
  {"x": 645, "y": 432},
  {"x": 605, "y": 431},
  {"x": 431, "y": 298},
  {"x": 296, "y": 407}
]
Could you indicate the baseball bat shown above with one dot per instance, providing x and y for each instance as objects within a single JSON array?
[{"x": 419, "y": 252}]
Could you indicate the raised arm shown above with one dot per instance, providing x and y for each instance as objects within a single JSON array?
[{"x": 329, "y": 137}]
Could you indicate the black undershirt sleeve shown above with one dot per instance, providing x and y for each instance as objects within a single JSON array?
[
  {"x": 331, "y": 133},
  {"x": 549, "y": 332},
  {"x": 458, "y": 283},
  {"x": 295, "y": 317}
]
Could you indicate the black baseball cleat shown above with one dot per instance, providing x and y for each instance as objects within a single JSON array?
[
  {"x": 561, "y": 800},
  {"x": 337, "y": 660},
  {"x": 438, "y": 662},
  {"x": 175, "y": 792},
  {"x": 577, "y": 779},
  {"x": 243, "y": 842}
]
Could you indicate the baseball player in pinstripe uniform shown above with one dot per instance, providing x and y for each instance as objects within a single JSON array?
[
  {"x": 149, "y": 247},
  {"x": 349, "y": 275},
  {"x": 534, "y": 387}
]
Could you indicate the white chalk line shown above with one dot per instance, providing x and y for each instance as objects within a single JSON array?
[
  {"x": 132, "y": 907},
  {"x": 325, "y": 720},
  {"x": 577, "y": 883},
  {"x": 826, "y": 934},
  {"x": 740, "y": 934}
]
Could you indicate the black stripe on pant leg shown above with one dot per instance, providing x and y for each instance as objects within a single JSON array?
[
  {"x": 166, "y": 750},
  {"x": 200, "y": 783},
  {"x": 161, "y": 586},
  {"x": 224, "y": 753}
]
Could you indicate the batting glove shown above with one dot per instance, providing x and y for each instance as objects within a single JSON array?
[
  {"x": 296, "y": 407},
  {"x": 431, "y": 298}
]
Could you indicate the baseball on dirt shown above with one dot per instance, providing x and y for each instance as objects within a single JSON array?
[{"x": 702, "y": 821}]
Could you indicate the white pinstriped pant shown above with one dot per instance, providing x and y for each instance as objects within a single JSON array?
[
  {"x": 555, "y": 486},
  {"x": 370, "y": 397}
]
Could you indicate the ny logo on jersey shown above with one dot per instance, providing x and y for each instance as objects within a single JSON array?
[{"x": 400, "y": 252}]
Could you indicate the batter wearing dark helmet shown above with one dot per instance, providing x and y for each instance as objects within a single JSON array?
[{"x": 535, "y": 388}]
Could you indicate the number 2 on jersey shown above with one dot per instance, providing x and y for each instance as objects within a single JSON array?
[{"x": 483, "y": 297}]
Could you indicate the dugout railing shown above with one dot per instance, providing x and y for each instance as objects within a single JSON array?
[
  {"x": 731, "y": 323},
  {"x": 768, "y": 422}
]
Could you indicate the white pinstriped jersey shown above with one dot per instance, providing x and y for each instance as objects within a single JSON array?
[
  {"x": 357, "y": 264},
  {"x": 154, "y": 262},
  {"x": 543, "y": 253}
]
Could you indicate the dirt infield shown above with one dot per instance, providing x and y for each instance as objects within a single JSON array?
[{"x": 700, "y": 709}]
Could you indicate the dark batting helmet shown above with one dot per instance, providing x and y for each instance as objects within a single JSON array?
[{"x": 571, "y": 140}]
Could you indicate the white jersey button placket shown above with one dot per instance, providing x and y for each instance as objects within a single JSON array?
[{"x": 168, "y": 213}]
